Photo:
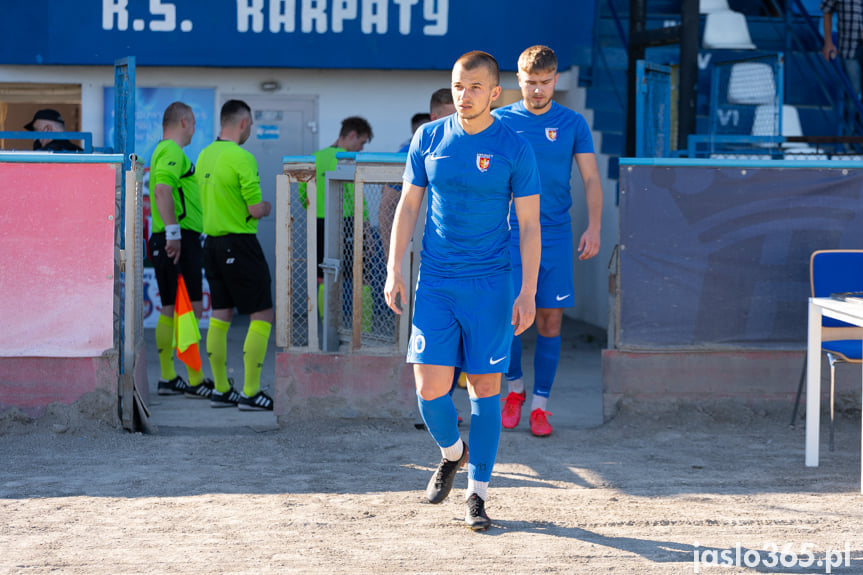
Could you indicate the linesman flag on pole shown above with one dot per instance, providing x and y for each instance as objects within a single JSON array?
[{"x": 186, "y": 333}]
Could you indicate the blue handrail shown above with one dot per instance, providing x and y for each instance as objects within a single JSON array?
[{"x": 86, "y": 137}]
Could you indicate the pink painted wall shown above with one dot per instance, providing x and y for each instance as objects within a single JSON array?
[{"x": 56, "y": 259}]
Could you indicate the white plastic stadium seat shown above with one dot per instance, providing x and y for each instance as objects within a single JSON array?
[
  {"x": 726, "y": 30},
  {"x": 751, "y": 83},
  {"x": 765, "y": 125},
  {"x": 708, "y": 6}
]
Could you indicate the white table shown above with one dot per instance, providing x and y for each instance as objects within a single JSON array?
[{"x": 848, "y": 312}]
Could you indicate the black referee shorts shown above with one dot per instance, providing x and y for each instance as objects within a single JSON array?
[
  {"x": 191, "y": 261},
  {"x": 237, "y": 273}
]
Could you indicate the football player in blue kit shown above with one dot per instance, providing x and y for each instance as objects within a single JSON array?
[
  {"x": 476, "y": 170},
  {"x": 557, "y": 135}
]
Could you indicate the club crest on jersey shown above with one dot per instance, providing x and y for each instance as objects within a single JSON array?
[
  {"x": 551, "y": 134},
  {"x": 483, "y": 162}
]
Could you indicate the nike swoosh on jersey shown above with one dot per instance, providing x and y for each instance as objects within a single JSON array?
[
  {"x": 437, "y": 157},
  {"x": 496, "y": 361},
  {"x": 561, "y": 298}
]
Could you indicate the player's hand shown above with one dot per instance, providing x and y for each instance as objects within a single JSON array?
[
  {"x": 523, "y": 312},
  {"x": 172, "y": 248},
  {"x": 588, "y": 245},
  {"x": 395, "y": 288}
]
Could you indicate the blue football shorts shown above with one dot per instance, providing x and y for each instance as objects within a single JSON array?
[
  {"x": 554, "y": 286},
  {"x": 461, "y": 322}
]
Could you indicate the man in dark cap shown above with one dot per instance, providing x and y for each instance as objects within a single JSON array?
[{"x": 49, "y": 120}]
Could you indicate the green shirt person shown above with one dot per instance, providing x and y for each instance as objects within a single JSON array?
[
  {"x": 237, "y": 270},
  {"x": 171, "y": 167},
  {"x": 229, "y": 184},
  {"x": 354, "y": 134},
  {"x": 175, "y": 242}
]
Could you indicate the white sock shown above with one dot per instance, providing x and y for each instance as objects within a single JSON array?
[
  {"x": 478, "y": 487},
  {"x": 516, "y": 385},
  {"x": 453, "y": 452},
  {"x": 538, "y": 402}
]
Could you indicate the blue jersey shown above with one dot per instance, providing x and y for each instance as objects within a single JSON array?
[
  {"x": 471, "y": 181},
  {"x": 555, "y": 136}
]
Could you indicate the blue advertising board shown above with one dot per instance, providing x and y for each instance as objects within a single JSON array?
[
  {"x": 379, "y": 34},
  {"x": 150, "y": 104}
]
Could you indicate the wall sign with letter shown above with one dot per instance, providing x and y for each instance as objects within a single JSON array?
[{"x": 379, "y": 34}]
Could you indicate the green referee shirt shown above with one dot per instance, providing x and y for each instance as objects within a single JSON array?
[
  {"x": 326, "y": 161},
  {"x": 170, "y": 166},
  {"x": 228, "y": 181}
]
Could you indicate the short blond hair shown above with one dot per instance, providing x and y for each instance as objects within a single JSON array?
[{"x": 537, "y": 59}]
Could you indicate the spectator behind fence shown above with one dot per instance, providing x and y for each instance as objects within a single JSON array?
[
  {"x": 417, "y": 120},
  {"x": 49, "y": 120},
  {"x": 353, "y": 136}
]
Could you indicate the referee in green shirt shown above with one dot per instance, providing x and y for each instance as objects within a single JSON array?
[
  {"x": 175, "y": 243},
  {"x": 233, "y": 259}
]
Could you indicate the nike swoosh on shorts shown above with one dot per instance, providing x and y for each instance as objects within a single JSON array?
[
  {"x": 561, "y": 298},
  {"x": 496, "y": 361}
]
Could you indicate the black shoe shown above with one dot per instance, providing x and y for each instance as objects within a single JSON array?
[
  {"x": 201, "y": 391},
  {"x": 441, "y": 482},
  {"x": 476, "y": 517},
  {"x": 173, "y": 387},
  {"x": 258, "y": 402},
  {"x": 228, "y": 399}
]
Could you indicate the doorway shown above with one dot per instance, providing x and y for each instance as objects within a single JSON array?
[{"x": 19, "y": 101}]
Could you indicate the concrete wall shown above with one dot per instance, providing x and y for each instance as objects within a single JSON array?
[
  {"x": 752, "y": 377},
  {"x": 32, "y": 384}
]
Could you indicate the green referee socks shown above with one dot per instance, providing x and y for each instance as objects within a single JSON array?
[
  {"x": 164, "y": 341},
  {"x": 217, "y": 350},
  {"x": 254, "y": 350}
]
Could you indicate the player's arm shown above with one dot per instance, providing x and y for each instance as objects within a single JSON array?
[
  {"x": 259, "y": 210},
  {"x": 250, "y": 187},
  {"x": 588, "y": 245},
  {"x": 828, "y": 50},
  {"x": 530, "y": 246},
  {"x": 404, "y": 222},
  {"x": 163, "y": 195}
]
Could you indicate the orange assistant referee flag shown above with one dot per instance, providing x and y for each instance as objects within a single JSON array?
[{"x": 186, "y": 333}]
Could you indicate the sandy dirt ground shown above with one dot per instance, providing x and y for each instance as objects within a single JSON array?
[
  {"x": 648, "y": 492},
  {"x": 667, "y": 490}
]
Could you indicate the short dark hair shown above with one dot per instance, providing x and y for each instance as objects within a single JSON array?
[
  {"x": 477, "y": 58},
  {"x": 175, "y": 112},
  {"x": 419, "y": 119},
  {"x": 537, "y": 59},
  {"x": 233, "y": 110},
  {"x": 356, "y": 124},
  {"x": 442, "y": 97}
]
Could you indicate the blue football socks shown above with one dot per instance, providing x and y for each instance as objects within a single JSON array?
[
  {"x": 514, "y": 371},
  {"x": 484, "y": 436},
  {"x": 441, "y": 419},
  {"x": 545, "y": 361}
]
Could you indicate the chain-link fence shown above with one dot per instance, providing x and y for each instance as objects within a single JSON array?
[{"x": 348, "y": 302}]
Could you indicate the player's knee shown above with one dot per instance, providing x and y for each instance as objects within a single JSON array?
[{"x": 548, "y": 324}]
